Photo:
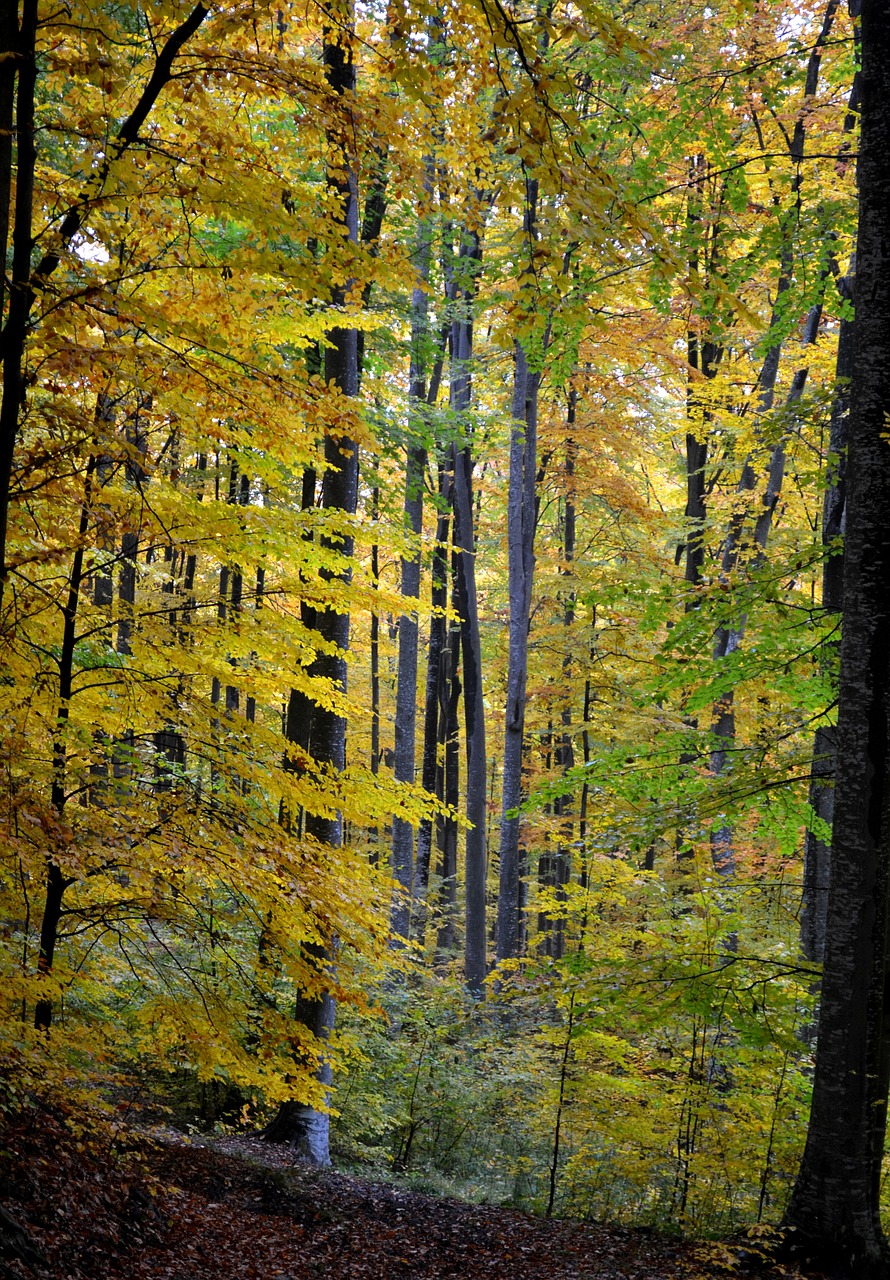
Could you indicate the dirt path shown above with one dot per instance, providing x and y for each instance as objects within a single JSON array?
[{"x": 238, "y": 1209}]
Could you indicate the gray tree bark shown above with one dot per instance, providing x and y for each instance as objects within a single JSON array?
[
  {"x": 521, "y": 522},
  {"x": 521, "y": 562},
  {"x": 475, "y": 856}
]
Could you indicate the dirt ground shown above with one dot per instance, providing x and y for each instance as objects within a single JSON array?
[{"x": 162, "y": 1207}]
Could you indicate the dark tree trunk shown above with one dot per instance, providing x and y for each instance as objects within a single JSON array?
[
  {"x": 448, "y": 787},
  {"x": 433, "y": 720},
  {"x": 305, "y": 1127},
  {"x": 474, "y": 707},
  {"x": 406, "y": 694},
  {"x": 9, "y": 48},
  {"x": 14, "y": 334},
  {"x": 835, "y": 1207},
  {"x": 375, "y": 644},
  {"x": 817, "y": 852},
  {"x": 703, "y": 359},
  {"x": 374, "y": 833},
  {"x": 300, "y": 708},
  {"x": 554, "y": 931},
  {"x": 56, "y": 881},
  {"x": 406, "y": 688}
]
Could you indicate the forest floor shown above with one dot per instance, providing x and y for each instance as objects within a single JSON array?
[{"x": 163, "y": 1207}]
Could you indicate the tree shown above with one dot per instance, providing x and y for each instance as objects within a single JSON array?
[
  {"x": 835, "y": 1204},
  {"x": 307, "y": 1127},
  {"x": 521, "y": 519},
  {"x": 467, "y": 261}
]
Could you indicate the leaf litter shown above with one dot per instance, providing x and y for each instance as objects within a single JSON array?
[{"x": 156, "y": 1205}]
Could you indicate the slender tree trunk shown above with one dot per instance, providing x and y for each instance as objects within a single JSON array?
[
  {"x": 374, "y": 833},
  {"x": 406, "y": 688},
  {"x": 521, "y": 521},
  {"x": 449, "y": 788},
  {"x": 728, "y": 636},
  {"x": 375, "y": 643},
  {"x": 835, "y": 1206},
  {"x": 433, "y": 720},
  {"x": 406, "y": 695},
  {"x": 560, "y": 1105},
  {"x": 521, "y": 553},
  {"x": 703, "y": 357},
  {"x": 306, "y": 1127},
  {"x": 703, "y": 362},
  {"x": 474, "y": 707},
  {"x": 56, "y": 881},
  {"x": 14, "y": 334},
  {"x": 300, "y": 708},
  {"x": 563, "y": 805},
  {"x": 9, "y": 51}
]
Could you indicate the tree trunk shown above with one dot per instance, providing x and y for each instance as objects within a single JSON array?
[
  {"x": 406, "y": 688},
  {"x": 704, "y": 358},
  {"x": 835, "y": 1207},
  {"x": 14, "y": 334},
  {"x": 471, "y": 647},
  {"x": 521, "y": 521},
  {"x": 433, "y": 721},
  {"x": 305, "y": 1127},
  {"x": 703, "y": 362},
  {"x": 555, "y": 930},
  {"x": 521, "y": 559},
  {"x": 374, "y": 832},
  {"x": 9, "y": 48},
  {"x": 56, "y": 881},
  {"x": 817, "y": 852},
  {"x": 449, "y": 788}
]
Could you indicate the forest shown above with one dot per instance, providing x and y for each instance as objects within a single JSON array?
[{"x": 423, "y": 498}]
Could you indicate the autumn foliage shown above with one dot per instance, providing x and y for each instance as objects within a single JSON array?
[{"x": 175, "y": 194}]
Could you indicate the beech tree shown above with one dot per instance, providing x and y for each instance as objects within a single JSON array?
[
  {"x": 835, "y": 1205},
  {"x": 521, "y": 520}
]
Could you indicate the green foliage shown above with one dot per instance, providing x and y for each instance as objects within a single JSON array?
[{"x": 668, "y": 1050}]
